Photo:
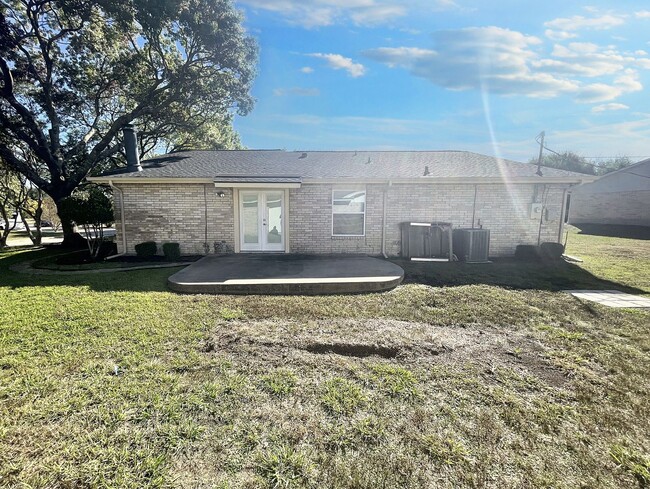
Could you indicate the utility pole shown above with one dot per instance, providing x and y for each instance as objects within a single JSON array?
[{"x": 541, "y": 149}]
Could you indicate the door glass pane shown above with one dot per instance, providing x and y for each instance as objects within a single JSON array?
[
  {"x": 250, "y": 216},
  {"x": 274, "y": 217}
]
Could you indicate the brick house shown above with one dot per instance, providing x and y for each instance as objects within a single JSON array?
[
  {"x": 621, "y": 197},
  {"x": 330, "y": 201}
]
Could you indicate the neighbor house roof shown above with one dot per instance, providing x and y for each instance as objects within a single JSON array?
[
  {"x": 291, "y": 166},
  {"x": 632, "y": 178}
]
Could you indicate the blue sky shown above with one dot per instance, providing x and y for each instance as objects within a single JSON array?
[{"x": 451, "y": 74}]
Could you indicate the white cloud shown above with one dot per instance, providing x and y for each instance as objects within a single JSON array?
[
  {"x": 589, "y": 60},
  {"x": 578, "y": 22},
  {"x": 307, "y": 69},
  {"x": 598, "y": 92},
  {"x": 610, "y": 106},
  {"x": 559, "y": 35},
  {"x": 317, "y": 13},
  {"x": 643, "y": 14},
  {"x": 339, "y": 62},
  {"x": 488, "y": 58},
  {"x": 507, "y": 62},
  {"x": 377, "y": 14},
  {"x": 296, "y": 91}
]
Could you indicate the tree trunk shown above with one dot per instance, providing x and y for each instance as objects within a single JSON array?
[
  {"x": 35, "y": 233},
  {"x": 4, "y": 232},
  {"x": 71, "y": 238}
]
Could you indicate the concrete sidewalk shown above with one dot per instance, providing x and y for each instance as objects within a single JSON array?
[
  {"x": 612, "y": 298},
  {"x": 286, "y": 274}
]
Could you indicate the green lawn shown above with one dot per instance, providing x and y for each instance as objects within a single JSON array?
[{"x": 499, "y": 380}]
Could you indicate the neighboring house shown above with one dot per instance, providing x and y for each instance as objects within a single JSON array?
[
  {"x": 621, "y": 197},
  {"x": 330, "y": 201}
]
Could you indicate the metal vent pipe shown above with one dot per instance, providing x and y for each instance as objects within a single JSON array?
[{"x": 131, "y": 148}]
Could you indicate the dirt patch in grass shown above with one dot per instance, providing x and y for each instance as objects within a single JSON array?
[
  {"x": 410, "y": 342},
  {"x": 352, "y": 350}
]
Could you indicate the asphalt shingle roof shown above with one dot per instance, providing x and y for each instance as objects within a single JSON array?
[{"x": 335, "y": 165}]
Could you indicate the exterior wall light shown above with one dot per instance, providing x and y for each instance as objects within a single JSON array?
[{"x": 221, "y": 194}]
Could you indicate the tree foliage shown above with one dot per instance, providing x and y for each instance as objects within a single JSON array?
[
  {"x": 92, "y": 210},
  {"x": 74, "y": 72},
  {"x": 571, "y": 161}
]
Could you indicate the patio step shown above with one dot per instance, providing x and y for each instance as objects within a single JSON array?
[{"x": 282, "y": 274}]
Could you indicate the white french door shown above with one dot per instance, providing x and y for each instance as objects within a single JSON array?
[{"x": 261, "y": 213}]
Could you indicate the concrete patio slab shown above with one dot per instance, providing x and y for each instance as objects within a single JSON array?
[
  {"x": 611, "y": 298},
  {"x": 286, "y": 274}
]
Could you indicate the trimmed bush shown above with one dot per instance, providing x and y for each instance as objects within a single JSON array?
[
  {"x": 172, "y": 251},
  {"x": 551, "y": 251},
  {"x": 528, "y": 253},
  {"x": 148, "y": 248}
]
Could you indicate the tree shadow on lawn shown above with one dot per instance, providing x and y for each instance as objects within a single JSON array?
[
  {"x": 508, "y": 273},
  {"x": 148, "y": 280},
  {"x": 614, "y": 231}
]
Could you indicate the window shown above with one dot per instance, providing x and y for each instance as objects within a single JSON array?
[{"x": 349, "y": 212}]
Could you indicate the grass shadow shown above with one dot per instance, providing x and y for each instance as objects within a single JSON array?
[
  {"x": 114, "y": 281},
  {"x": 508, "y": 273},
  {"x": 614, "y": 231}
]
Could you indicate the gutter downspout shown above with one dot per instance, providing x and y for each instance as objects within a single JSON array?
[
  {"x": 563, "y": 213},
  {"x": 474, "y": 206},
  {"x": 383, "y": 222},
  {"x": 122, "y": 225}
]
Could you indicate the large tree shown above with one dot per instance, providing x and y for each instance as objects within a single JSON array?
[{"x": 74, "y": 72}]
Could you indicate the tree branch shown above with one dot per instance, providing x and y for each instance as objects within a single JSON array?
[
  {"x": 20, "y": 166},
  {"x": 41, "y": 148}
]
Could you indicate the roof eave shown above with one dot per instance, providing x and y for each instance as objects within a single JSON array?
[{"x": 141, "y": 179}]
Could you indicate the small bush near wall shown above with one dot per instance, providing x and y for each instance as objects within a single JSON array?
[
  {"x": 528, "y": 253},
  {"x": 551, "y": 251},
  {"x": 546, "y": 252},
  {"x": 172, "y": 251},
  {"x": 221, "y": 247},
  {"x": 148, "y": 248}
]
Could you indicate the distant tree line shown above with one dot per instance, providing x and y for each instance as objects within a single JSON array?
[{"x": 571, "y": 161}]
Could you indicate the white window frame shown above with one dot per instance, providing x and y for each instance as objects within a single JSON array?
[{"x": 365, "y": 204}]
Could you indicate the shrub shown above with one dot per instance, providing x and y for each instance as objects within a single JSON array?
[
  {"x": 172, "y": 251},
  {"x": 527, "y": 253},
  {"x": 551, "y": 251},
  {"x": 148, "y": 248},
  {"x": 91, "y": 209}
]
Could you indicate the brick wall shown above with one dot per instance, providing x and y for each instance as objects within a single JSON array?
[
  {"x": 165, "y": 213},
  {"x": 310, "y": 222},
  {"x": 503, "y": 210},
  {"x": 630, "y": 208},
  {"x": 175, "y": 213}
]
